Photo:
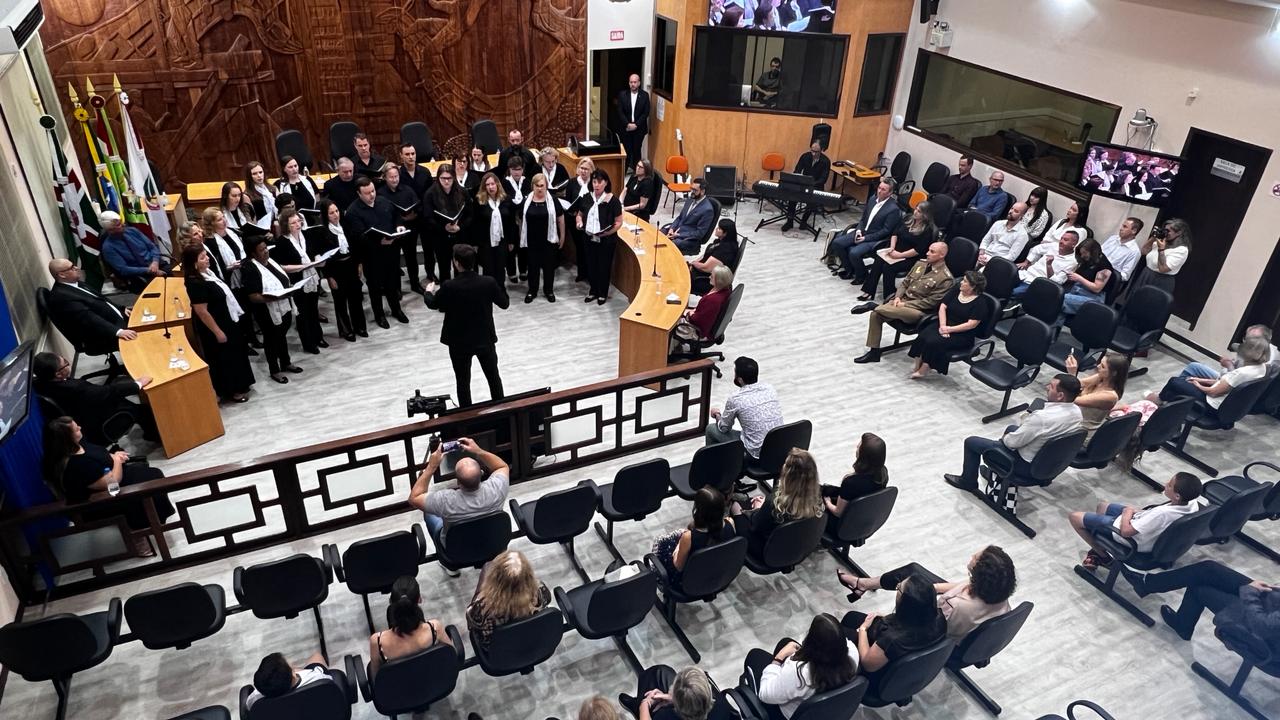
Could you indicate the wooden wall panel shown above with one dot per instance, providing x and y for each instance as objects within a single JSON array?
[{"x": 213, "y": 81}]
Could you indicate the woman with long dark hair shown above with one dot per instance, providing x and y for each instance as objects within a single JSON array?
[
  {"x": 599, "y": 216},
  {"x": 723, "y": 250},
  {"x": 708, "y": 527},
  {"x": 341, "y": 272},
  {"x": 1100, "y": 391},
  {"x": 303, "y": 190},
  {"x": 259, "y": 194},
  {"x": 794, "y": 671},
  {"x": 1036, "y": 219},
  {"x": 1089, "y": 281},
  {"x": 639, "y": 191},
  {"x": 908, "y": 243},
  {"x": 868, "y": 475},
  {"x": 915, "y": 624},
  {"x": 408, "y": 629},
  {"x": 218, "y": 314},
  {"x": 237, "y": 211},
  {"x": 447, "y": 215},
  {"x": 1076, "y": 219}
]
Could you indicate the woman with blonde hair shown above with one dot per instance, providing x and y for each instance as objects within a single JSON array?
[
  {"x": 190, "y": 234},
  {"x": 798, "y": 496},
  {"x": 226, "y": 255},
  {"x": 597, "y": 708},
  {"x": 664, "y": 694},
  {"x": 508, "y": 591},
  {"x": 578, "y": 187},
  {"x": 493, "y": 227}
]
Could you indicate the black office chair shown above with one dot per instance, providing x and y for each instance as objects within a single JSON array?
[
  {"x": 1043, "y": 301},
  {"x": 1071, "y": 712},
  {"x": 1234, "y": 510},
  {"x": 175, "y": 617},
  {"x": 983, "y": 332},
  {"x": 418, "y": 135},
  {"x": 902, "y": 678},
  {"x": 838, "y": 704},
  {"x": 788, "y": 546},
  {"x": 313, "y": 701},
  {"x": 742, "y": 250},
  {"x": 1003, "y": 477},
  {"x": 373, "y": 565},
  {"x": 935, "y": 178},
  {"x": 1091, "y": 331},
  {"x": 292, "y": 143},
  {"x": 1220, "y": 491},
  {"x": 718, "y": 465},
  {"x": 1163, "y": 426},
  {"x": 114, "y": 367},
  {"x": 716, "y": 209},
  {"x": 558, "y": 517},
  {"x": 1002, "y": 278},
  {"x": 971, "y": 224},
  {"x": 942, "y": 207},
  {"x": 484, "y": 135},
  {"x": 472, "y": 542},
  {"x": 707, "y": 572},
  {"x": 411, "y": 684},
  {"x": 609, "y": 609},
  {"x": 981, "y": 644},
  {"x": 699, "y": 349},
  {"x": 520, "y": 646},
  {"x": 778, "y": 443},
  {"x": 962, "y": 256},
  {"x": 1108, "y": 440},
  {"x": 637, "y": 491},
  {"x": 106, "y": 434},
  {"x": 899, "y": 169},
  {"x": 1027, "y": 343},
  {"x": 1142, "y": 323},
  {"x": 1173, "y": 543},
  {"x": 342, "y": 140},
  {"x": 860, "y": 520},
  {"x": 1234, "y": 407},
  {"x": 1253, "y": 652},
  {"x": 284, "y": 589},
  {"x": 213, "y": 712},
  {"x": 81, "y": 642}
]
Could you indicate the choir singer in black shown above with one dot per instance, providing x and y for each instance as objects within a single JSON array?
[
  {"x": 379, "y": 255},
  {"x": 405, "y": 202},
  {"x": 341, "y": 272},
  {"x": 494, "y": 231},
  {"x": 447, "y": 213},
  {"x": 599, "y": 215},
  {"x": 467, "y": 303}
]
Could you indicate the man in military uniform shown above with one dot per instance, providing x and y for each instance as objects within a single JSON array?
[{"x": 920, "y": 293}]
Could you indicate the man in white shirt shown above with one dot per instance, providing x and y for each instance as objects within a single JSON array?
[
  {"x": 1229, "y": 363},
  {"x": 1059, "y": 416},
  {"x": 1048, "y": 260},
  {"x": 1142, "y": 526},
  {"x": 276, "y": 677},
  {"x": 1254, "y": 354},
  {"x": 754, "y": 405},
  {"x": 879, "y": 220},
  {"x": 1005, "y": 239},
  {"x": 1122, "y": 250}
]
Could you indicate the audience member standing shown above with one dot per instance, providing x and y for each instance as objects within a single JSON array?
[
  {"x": 633, "y": 118},
  {"x": 1122, "y": 248},
  {"x": 1165, "y": 251}
]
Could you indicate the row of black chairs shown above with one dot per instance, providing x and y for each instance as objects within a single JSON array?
[{"x": 484, "y": 134}]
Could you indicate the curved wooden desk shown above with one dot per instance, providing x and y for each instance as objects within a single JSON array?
[
  {"x": 185, "y": 407},
  {"x": 646, "y": 324},
  {"x": 157, "y": 300}
]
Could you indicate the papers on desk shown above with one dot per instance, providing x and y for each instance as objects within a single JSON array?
[
  {"x": 673, "y": 299},
  {"x": 148, "y": 316},
  {"x": 588, "y": 143},
  {"x": 635, "y": 229}
]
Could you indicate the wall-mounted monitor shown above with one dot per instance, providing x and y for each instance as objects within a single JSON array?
[
  {"x": 766, "y": 71},
  {"x": 815, "y": 16},
  {"x": 1129, "y": 174}
]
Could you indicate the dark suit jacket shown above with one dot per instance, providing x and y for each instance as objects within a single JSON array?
[
  {"x": 817, "y": 169},
  {"x": 624, "y": 113},
  {"x": 89, "y": 404},
  {"x": 508, "y": 152},
  {"x": 89, "y": 320},
  {"x": 883, "y": 224},
  {"x": 467, "y": 302}
]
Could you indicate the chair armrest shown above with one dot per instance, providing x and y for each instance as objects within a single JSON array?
[
  {"x": 1071, "y": 709},
  {"x": 651, "y": 561},
  {"x": 1263, "y": 463},
  {"x": 749, "y": 705},
  {"x": 456, "y": 639},
  {"x": 1000, "y": 460},
  {"x": 1150, "y": 337},
  {"x": 562, "y": 599},
  {"x": 328, "y": 571},
  {"x": 1121, "y": 547},
  {"x": 1026, "y": 375},
  {"x": 333, "y": 561},
  {"x": 420, "y": 536},
  {"x": 114, "y": 616},
  {"x": 245, "y": 692},
  {"x": 355, "y": 672},
  {"x": 237, "y": 584},
  {"x": 990, "y": 345},
  {"x": 518, "y": 515}
]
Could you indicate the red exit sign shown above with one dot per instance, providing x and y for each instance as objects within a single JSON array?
[{"x": 615, "y": 35}]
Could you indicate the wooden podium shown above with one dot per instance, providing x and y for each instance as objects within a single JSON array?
[
  {"x": 645, "y": 326},
  {"x": 613, "y": 163}
]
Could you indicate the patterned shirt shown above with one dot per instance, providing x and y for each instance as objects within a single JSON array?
[
  {"x": 482, "y": 622},
  {"x": 756, "y": 409}
]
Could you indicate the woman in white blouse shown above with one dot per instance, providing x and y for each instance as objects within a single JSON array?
[
  {"x": 1165, "y": 251},
  {"x": 1036, "y": 219},
  {"x": 826, "y": 660},
  {"x": 1075, "y": 219}
]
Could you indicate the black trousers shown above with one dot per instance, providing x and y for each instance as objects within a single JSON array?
[
  {"x": 461, "y": 359},
  {"x": 495, "y": 261},
  {"x": 348, "y": 299},
  {"x": 517, "y": 259},
  {"x": 275, "y": 342},
  {"x": 889, "y": 273},
  {"x": 246, "y": 320},
  {"x": 1209, "y": 584},
  {"x": 600, "y": 263},
  {"x": 409, "y": 248},
  {"x": 756, "y": 661},
  {"x": 442, "y": 245},
  {"x": 382, "y": 274},
  {"x": 309, "y": 331},
  {"x": 631, "y": 141},
  {"x": 543, "y": 257}
]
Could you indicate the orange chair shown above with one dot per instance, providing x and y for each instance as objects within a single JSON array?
[
  {"x": 677, "y": 166},
  {"x": 771, "y": 163},
  {"x": 917, "y": 197}
]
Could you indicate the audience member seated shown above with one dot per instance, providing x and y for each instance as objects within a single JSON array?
[
  {"x": 1075, "y": 219},
  {"x": 1143, "y": 526},
  {"x": 852, "y": 245},
  {"x": 961, "y": 316},
  {"x": 475, "y": 494},
  {"x": 1253, "y": 356},
  {"x": 664, "y": 694},
  {"x": 965, "y": 605},
  {"x": 89, "y": 320},
  {"x": 1059, "y": 416},
  {"x": 1005, "y": 239},
  {"x": 408, "y": 629},
  {"x": 1236, "y": 600},
  {"x": 1122, "y": 248},
  {"x": 1100, "y": 391},
  {"x": 693, "y": 221},
  {"x": 1035, "y": 220},
  {"x": 90, "y": 404},
  {"x": 962, "y": 186},
  {"x": 708, "y": 527},
  {"x": 723, "y": 250},
  {"x": 1053, "y": 260},
  {"x": 132, "y": 255},
  {"x": 991, "y": 200},
  {"x": 1089, "y": 281},
  {"x": 698, "y": 322},
  {"x": 275, "y": 676},
  {"x": 639, "y": 190},
  {"x": 507, "y": 591},
  {"x": 909, "y": 243},
  {"x": 869, "y": 474},
  {"x": 915, "y": 624},
  {"x": 798, "y": 497},
  {"x": 793, "y": 672},
  {"x": 920, "y": 293},
  {"x": 754, "y": 405},
  {"x": 75, "y": 469},
  {"x": 1203, "y": 370},
  {"x": 597, "y": 707}
]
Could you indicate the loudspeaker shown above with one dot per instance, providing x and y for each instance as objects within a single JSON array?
[
  {"x": 722, "y": 181},
  {"x": 928, "y": 8},
  {"x": 822, "y": 134}
]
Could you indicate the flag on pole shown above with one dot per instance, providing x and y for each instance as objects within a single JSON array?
[
  {"x": 82, "y": 232},
  {"x": 107, "y": 139},
  {"x": 106, "y": 191},
  {"x": 142, "y": 183}
]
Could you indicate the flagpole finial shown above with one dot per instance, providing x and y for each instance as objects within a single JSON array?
[
  {"x": 71, "y": 92},
  {"x": 115, "y": 83},
  {"x": 88, "y": 86}
]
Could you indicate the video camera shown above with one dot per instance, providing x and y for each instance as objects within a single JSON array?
[{"x": 430, "y": 405}]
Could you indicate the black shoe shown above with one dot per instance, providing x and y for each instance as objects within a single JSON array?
[
  {"x": 529, "y": 298},
  {"x": 382, "y": 323},
  {"x": 863, "y": 308},
  {"x": 311, "y": 351},
  {"x": 1137, "y": 580},
  {"x": 349, "y": 337},
  {"x": 323, "y": 343},
  {"x": 787, "y": 226},
  {"x": 589, "y": 298},
  {"x": 418, "y": 289},
  {"x": 551, "y": 297},
  {"x": 363, "y": 333},
  {"x": 294, "y": 369},
  {"x": 601, "y": 301},
  {"x": 1170, "y": 617},
  {"x": 401, "y": 318},
  {"x": 959, "y": 482},
  {"x": 845, "y": 275},
  {"x": 324, "y": 318},
  {"x": 252, "y": 352},
  {"x": 871, "y": 356}
]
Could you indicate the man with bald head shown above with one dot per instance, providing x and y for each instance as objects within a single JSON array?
[
  {"x": 90, "y": 321},
  {"x": 992, "y": 200},
  {"x": 918, "y": 295},
  {"x": 1005, "y": 239},
  {"x": 341, "y": 188},
  {"x": 475, "y": 495},
  {"x": 633, "y": 119}
]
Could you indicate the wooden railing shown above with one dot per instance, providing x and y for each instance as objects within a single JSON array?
[{"x": 235, "y": 508}]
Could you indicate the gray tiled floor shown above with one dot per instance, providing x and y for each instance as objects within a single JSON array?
[{"x": 795, "y": 321}]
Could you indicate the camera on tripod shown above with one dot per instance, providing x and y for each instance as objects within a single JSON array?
[{"x": 429, "y": 405}]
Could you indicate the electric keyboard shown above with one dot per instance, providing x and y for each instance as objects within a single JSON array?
[{"x": 770, "y": 190}]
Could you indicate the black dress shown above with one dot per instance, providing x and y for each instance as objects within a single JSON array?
[
  {"x": 494, "y": 258},
  {"x": 638, "y": 191},
  {"x": 89, "y": 466},
  {"x": 726, "y": 251},
  {"x": 907, "y": 240},
  {"x": 229, "y": 367},
  {"x": 934, "y": 349},
  {"x": 854, "y": 485},
  {"x": 543, "y": 255}
]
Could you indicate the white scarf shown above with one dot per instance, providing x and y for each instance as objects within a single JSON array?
[
  {"x": 517, "y": 196},
  {"x": 495, "y": 224},
  {"x": 592, "y": 223},
  {"x": 230, "y": 251},
  {"x": 233, "y": 305},
  {"x": 268, "y": 200},
  {"x": 343, "y": 247},
  {"x": 552, "y": 236},
  {"x": 271, "y": 285},
  {"x": 235, "y": 218},
  {"x": 310, "y": 275},
  {"x": 584, "y": 186}
]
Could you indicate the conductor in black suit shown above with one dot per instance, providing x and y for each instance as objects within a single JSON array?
[
  {"x": 467, "y": 302},
  {"x": 633, "y": 118},
  {"x": 91, "y": 322}
]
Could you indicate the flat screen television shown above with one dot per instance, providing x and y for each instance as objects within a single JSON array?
[
  {"x": 1129, "y": 174},
  {"x": 779, "y": 15},
  {"x": 15, "y": 389}
]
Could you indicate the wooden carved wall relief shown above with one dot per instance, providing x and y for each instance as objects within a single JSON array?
[{"x": 213, "y": 81}]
